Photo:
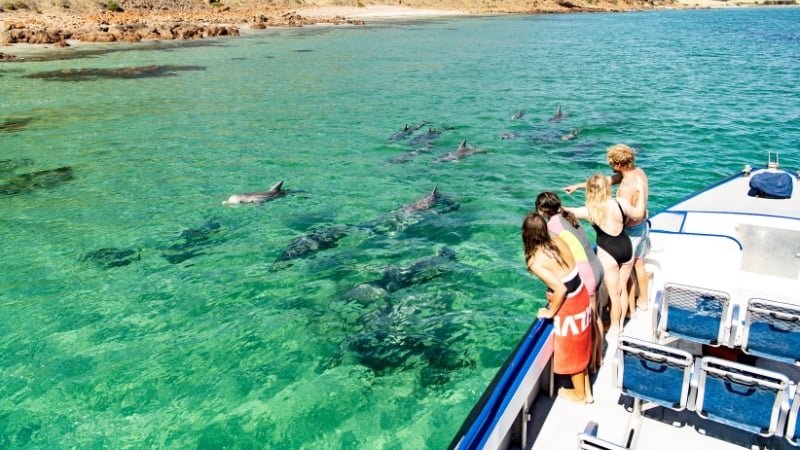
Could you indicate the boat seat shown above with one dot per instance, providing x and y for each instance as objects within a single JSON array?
[
  {"x": 693, "y": 313},
  {"x": 588, "y": 440},
  {"x": 772, "y": 330},
  {"x": 654, "y": 373},
  {"x": 792, "y": 424},
  {"x": 745, "y": 397}
]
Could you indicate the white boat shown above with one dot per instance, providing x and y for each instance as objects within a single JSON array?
[{"x": 714, "y": 361}]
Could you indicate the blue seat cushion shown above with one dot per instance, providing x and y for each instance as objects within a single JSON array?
[
  {"x": 747, "y": 407},
  {"x": 656, "y": 382}
]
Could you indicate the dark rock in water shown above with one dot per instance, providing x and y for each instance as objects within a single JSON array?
[
  {"x": 122, "y": 72},
  {"x": 111, "y": 257},
  {"x": 6, "y": 57},
  {"x": 193, "y": 242},
  {"x": 8, "y": 166},
  {"x": 28, "y": 182},
  {"x": 14, "y": 125}
]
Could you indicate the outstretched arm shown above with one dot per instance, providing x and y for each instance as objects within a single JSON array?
[
  {"x": 580, "y": 212},
  {"x": 574, "y": 187},
  {"x": 613, "y": 179}
]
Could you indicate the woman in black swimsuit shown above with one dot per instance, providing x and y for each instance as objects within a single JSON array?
[{"x": 608, "y": 216}]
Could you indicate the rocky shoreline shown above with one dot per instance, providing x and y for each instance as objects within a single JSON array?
[
  {"x": 135, "y": 27},
  {"x": 60, "y": 27}
]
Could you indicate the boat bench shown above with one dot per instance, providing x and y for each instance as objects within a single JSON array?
[
  {"x": 748, "y": 398},
  {"x": 760, "y": 327}
]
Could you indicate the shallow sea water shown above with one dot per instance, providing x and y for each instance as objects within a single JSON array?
[{"x": 136, "y": 311}]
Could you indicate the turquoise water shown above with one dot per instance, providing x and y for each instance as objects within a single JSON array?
[{"x": 136, "y": 311}]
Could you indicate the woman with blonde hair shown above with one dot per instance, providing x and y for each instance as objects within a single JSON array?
[
  {"x": 608, "y": 215},
  {"x": 550, "y": 259}
]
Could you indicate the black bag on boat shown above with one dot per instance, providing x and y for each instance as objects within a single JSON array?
[{"x": 771, "y": 185}]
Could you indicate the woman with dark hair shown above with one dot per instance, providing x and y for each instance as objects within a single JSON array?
[
  {"x": 550, "y": 259},
  {"x": 565, "y": 225}
]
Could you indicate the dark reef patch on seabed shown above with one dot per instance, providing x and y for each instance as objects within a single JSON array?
[
  {"x": 122, "y": 72},
  {"x": 14, "y": 125},
  {"x": 29, "y": 182},
  {"x": 111, "y": 257}
]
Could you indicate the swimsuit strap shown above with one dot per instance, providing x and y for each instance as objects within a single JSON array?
[{"x": 624, "y": 219}]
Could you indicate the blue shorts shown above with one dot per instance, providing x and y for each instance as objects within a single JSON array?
[{"x": 640, "y": 238}]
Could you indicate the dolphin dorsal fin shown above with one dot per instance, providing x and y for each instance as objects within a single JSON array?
[
  {"x": 463, "y": 144},
  {"x": 405, "y": 128},
  {"x": 435, "y": 190},
  {"x": 277, "y": 186},
  {"x": 558, "y": 111}
]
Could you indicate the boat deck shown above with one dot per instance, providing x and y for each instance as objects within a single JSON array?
[
  {"x": 556, "y": 424},
  {"x": 744, "y": 246}
]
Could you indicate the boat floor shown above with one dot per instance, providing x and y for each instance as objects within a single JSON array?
[{"x": 556, "y": 422}]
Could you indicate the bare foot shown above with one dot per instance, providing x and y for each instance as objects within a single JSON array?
[
  {"x": 570, "y": 395},
  {"x": 587, "y": 386},
  {"x": 641, "y": 306}
]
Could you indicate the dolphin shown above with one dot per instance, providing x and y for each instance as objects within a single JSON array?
[
  {"x": 461, "y": 152},
  {"x": 573, "y": 134},
  {"x": 425, "y": 139},
  {"x": 402, "y": 134},
  {"x": 558, "y": 115},
  {"x": 192, "y": 242},
  {"x": 408, "y": 156},
  {"x": 421, "y": 271},
  {"x": 395, "y": 334},
  {"x": 111, "y": 257},
  {"x": 321, "y": 239},
  {"x": 518, "y": 114},
  {"x": 274, "y": 192},
  {"x": 406, "y": 131},
  {"x": 426, "y": 202},
  {"x": 397, "y": 278},
  {"x": 509, "y": 135},
  {"x": 401, "y": 218}
]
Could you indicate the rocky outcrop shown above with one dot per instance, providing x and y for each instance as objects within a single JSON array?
[
  {"x": 133, "y": 26},
  {"x": 105, "y": 32}
]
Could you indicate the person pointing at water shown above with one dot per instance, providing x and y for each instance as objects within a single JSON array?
[{"x": 632, "y": 183}]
